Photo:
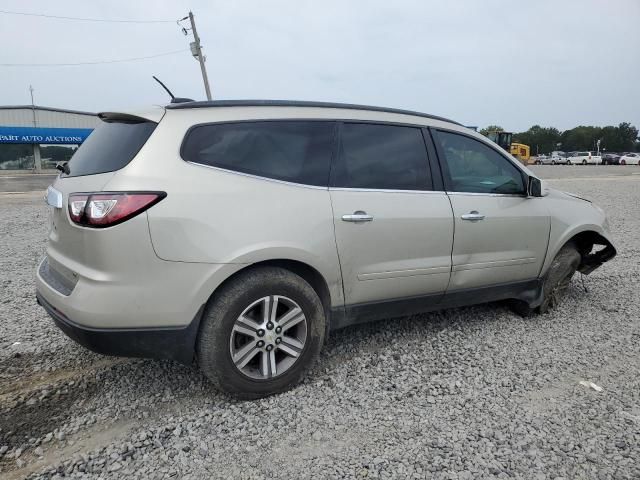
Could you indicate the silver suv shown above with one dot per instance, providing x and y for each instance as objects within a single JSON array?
[{"x": 239, "y": 233}]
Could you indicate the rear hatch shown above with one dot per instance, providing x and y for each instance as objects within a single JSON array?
[{"x": 111, "y": 146}]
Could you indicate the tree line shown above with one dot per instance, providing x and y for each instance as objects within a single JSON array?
[{"x": 623, "y": 138}]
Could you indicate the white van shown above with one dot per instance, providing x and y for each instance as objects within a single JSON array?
[{"x": 584, "y": 158}]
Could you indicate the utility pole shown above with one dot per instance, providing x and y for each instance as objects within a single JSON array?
[
  {"x": 196, "y": 51},
  {"x": 37, "y": 160},
  {"x": 33, "y": 106}
]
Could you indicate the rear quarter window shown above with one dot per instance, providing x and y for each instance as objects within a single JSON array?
[
  {"x": 110, "y": 147},
  {"x": 293, "y": 151}
]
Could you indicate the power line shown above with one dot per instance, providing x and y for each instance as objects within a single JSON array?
[
  {"x": 90, "y": 63},
  {"x": 105, "y": 20}
]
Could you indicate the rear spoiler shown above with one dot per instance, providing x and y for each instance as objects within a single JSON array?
[
  {"x": 114, "y": 117},
  {"x": 151, "y": 114}
]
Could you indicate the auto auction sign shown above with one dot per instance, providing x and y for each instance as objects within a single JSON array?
[{"x": 52, "y": 136}]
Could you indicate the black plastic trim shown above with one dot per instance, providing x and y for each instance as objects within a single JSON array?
[
  {"x": 594, "y": 260},
  {"x": 529, "y": 291},
  {"x": 117, "y": 117},
  {"x": 434, "y": 163},
  {"x": 160, "y": 343},
  {"x": 55, "y": 280},
  {"x": 301, "y": 103}
]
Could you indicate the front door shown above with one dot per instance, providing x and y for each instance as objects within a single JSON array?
[
  {"x": 393, "y": 232},
  {"x": 501, "y": 235}
]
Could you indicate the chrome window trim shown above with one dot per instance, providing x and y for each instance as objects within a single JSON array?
[
  {"x": 487, "y": 194},
  {"x": 382, "y": 190}
]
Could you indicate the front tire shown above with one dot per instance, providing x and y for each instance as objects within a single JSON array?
[
  {"x": 260, "y": 333},
  {"x": 556, "y": 282}
]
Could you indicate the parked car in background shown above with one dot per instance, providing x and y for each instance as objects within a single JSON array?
[
  {"x": 610, "y": 159},
  {"x": 584, "y": 158},
  {"x": 630, "y": 159},
  {"x": 542, "y": 160},
  {"x": 557, "y": 157}
]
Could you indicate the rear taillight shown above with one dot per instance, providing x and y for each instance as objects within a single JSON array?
[{"x": 99, "y": 210}]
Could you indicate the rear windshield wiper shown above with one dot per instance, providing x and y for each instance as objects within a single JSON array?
[{"x": 63, "y": 167}]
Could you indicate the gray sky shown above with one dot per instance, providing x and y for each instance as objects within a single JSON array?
[{"x": 514, "y": 63}]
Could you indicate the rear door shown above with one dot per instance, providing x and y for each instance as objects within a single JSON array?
[
  {"x": 501, "y": 235},
  {"x": 394, "y": 231}
]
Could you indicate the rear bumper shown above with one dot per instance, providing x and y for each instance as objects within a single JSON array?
[{"x": 166, "y": 343}]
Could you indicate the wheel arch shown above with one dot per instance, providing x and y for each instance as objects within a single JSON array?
[
  {"x": 585, "y": 241},
  {"x": 307, "y": 272}
]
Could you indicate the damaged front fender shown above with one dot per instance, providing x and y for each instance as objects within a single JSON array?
[{"x": 592, "y": 256}]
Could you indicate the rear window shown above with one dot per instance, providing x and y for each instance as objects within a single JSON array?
[
  {"x": 293, "y": 151},
  {"x": 110, "y": 147}
]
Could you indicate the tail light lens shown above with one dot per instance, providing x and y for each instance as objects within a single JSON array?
[{"x": 100, "y": 209}]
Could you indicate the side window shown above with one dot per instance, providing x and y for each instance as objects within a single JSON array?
[
  {"x": 477, "y": 168},
  {"x": 294, "y": 151},
  {"x": 383, "y": 157}
]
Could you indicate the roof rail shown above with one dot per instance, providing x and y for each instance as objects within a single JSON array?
[{"x": 299, "y": 103}]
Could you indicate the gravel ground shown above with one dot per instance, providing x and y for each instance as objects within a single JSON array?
[
  {"x": 468, "y": 393},
  {"x": 582, "y": 172}
]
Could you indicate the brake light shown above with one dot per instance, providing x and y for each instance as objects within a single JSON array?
[{"x": 100, "y": 209}]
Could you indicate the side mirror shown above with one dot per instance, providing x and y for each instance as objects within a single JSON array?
[{"x": 534, "y": 187}]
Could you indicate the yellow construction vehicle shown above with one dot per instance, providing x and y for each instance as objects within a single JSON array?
[{"x": 519, "y": 150}]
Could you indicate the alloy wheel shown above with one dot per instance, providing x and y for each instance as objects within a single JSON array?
[{"x": 268, "y": 337}]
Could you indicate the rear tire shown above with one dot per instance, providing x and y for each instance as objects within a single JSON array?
[
  {"x": 555, "y": 283},
  {"x": 225, "y": 332}
]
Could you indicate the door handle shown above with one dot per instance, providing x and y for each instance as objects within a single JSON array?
[
  {"x": 472, "y": 216},
  {"x": 357, "y": 217}
]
